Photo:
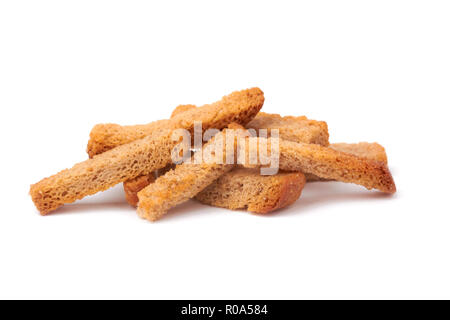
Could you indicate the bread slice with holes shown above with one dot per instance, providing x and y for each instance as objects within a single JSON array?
[
  {"x": 247, "y": 189},
  {"x": 240, "y": 188},
  {"x": 365, "y": 150},
  {"x": 297, "y": 129},
  {"x": 239, "y": 107},
  {"x": 104, "y": 171}
]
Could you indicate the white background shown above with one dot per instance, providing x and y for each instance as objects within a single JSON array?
[{"x": 374, "y": 70}]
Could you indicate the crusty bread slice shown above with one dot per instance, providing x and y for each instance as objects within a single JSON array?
[
  {"x": 366, "y": 150},
  {"x": 188, "y": 179},
  {"x": 297, "y": 129},
  {"x": 326, "y": 163},
  {"x": 239, "y": 107},
  {"x": 104, "y": 171},
  {"x": 244, "y": 188}
]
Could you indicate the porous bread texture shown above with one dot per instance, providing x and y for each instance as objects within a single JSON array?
[
  {"x": 239, "y": 107},
  {"x": 186, "y": 180},
  {"x": 370, "y": 151},
  {"x": 182, "y": 108},
  {"x": 366, "y": 150},
  {"x": 133, "y": 186},
  {"x": 297, "y": 129},
  {"x": 325, "y": 163},
  {"x": 104, "y": 171},
  {"x": 247, "y": 189},
  {"x": 240, "y": 188}
]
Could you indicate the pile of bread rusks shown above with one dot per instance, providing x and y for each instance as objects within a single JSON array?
[{"x": 141, "y": 158}]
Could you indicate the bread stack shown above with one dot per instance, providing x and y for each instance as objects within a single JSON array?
[{"x": 141, "y": 157}]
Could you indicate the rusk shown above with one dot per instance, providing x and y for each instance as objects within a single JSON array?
[
  {"x": 366, "y": 150},
  {"x": 326, "y": 163},
  {"x": 244, "y": 188},
  {"x": 187, "y": 179},
  {"x": 239, "y": 107}
]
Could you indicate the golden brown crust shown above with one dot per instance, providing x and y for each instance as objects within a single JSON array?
[
  {"x": 247, "y": 189},
  {"x": 103, "y": 171},
  {"x": 132, "y": 156},
  {"x": 327, "y": 163},
  {"x": 297, "y": 129},
  {"x": 240, "y": 188},
  {"x": 133, "y": 186},
  {"x": 366, "y": 150},
  {"x": 239, "y": 107},
  {"x": 186, "y": 180}
]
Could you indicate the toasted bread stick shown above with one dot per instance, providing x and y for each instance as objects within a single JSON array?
[
  {"x": 327, "y": 163},
  {"x": 187, "y": 179},
  {"x": 104, "y": 171},
  {"x": 239, "y": 107},
  {"x": 297, "y": 129},
  {"x": 366, "y": 150}
]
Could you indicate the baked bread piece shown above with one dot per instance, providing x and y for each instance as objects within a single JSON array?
[
  {"x": 366, "y": 150},
  {"x": 240, "y": 188},
  {"x": 187, "y": 179},
  {"x": 239, "y": 107},
  {"x": 104, "y": 171},
  {"x": 244, "y": 188},
  {"x": 297, "y": 129},
  {"x": 326, "y": 163},
  {"x": 133, "y": 186}
]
